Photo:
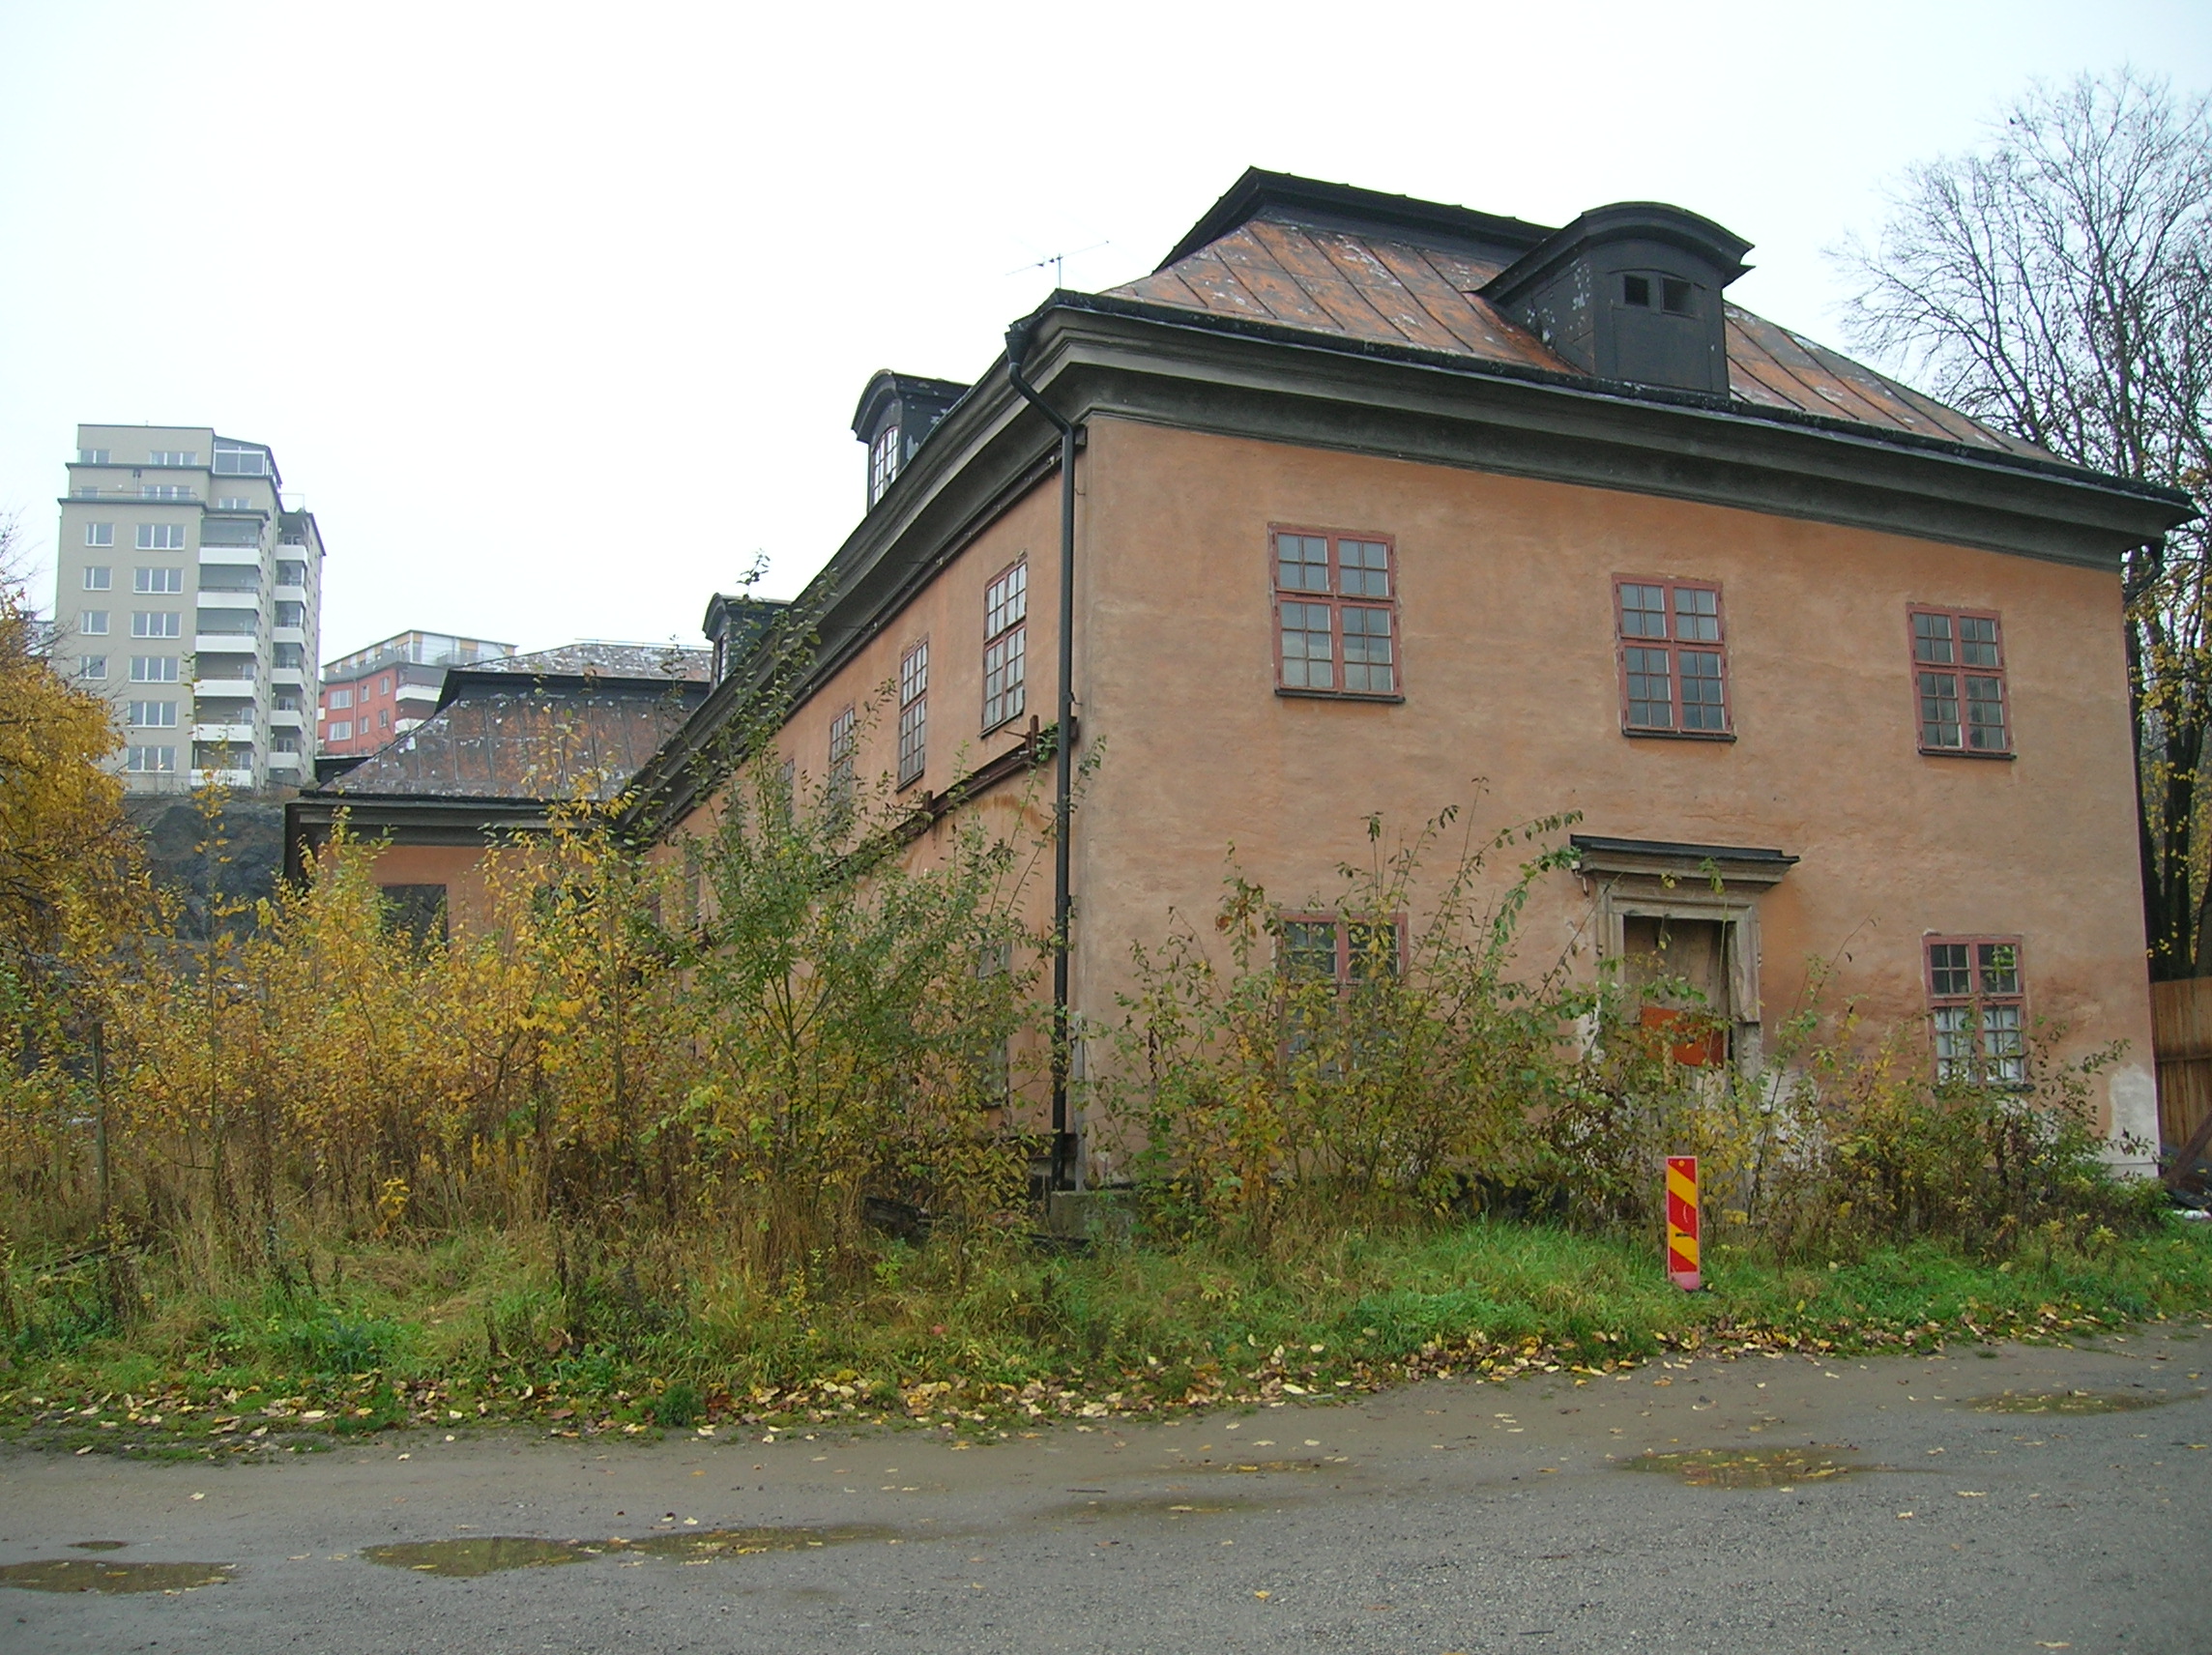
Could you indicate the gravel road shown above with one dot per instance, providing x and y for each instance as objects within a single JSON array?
[{"x": 1897, "y": 1504}]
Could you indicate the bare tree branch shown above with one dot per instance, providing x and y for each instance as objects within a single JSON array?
[{"x": 2057, "y": 282}]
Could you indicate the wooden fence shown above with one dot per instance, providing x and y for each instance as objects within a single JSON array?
[{"x": 2182, "y": 1038}]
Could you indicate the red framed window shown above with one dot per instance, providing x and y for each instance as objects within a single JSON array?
[
  {"x": 1958, "y": 682},
  {"x": 1977, "y": 1007},
  {"x": 914, "y": 714},
  {"x": 1006, "y": 646},
  {"x": 1336, "y": 614},
  {"x": 1674, "y": 657},
  {"x": 1327, "y": 946}
]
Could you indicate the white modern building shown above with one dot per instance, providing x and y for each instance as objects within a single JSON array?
[{"x": 191, "y": 596}]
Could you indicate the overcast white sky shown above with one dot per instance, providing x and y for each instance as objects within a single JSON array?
[{"x": 556, "y": 314}]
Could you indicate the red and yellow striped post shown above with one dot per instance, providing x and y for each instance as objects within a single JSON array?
[{"x": 1682, "y": 1222}]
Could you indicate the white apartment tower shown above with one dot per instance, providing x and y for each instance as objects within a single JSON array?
[{"x": 190, "y": 597}]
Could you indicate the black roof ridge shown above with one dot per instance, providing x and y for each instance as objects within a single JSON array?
[{"x": 1349, "y": 206}]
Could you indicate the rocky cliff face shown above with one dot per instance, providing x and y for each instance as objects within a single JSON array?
[{"x": 213, "y": 863}]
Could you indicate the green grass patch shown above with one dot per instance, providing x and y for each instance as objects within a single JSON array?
[{"x": 479, "y": 1329}]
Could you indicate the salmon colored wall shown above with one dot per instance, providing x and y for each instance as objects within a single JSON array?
[
  {"x": 1509, "y": 644},
  {"x": 460, "y": 868},
  {"x": 949, "y": 614},
  {"x": 1512, "y": 709}
]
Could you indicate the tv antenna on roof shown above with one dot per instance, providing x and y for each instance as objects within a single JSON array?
[{"x": 1058, "y": 261}]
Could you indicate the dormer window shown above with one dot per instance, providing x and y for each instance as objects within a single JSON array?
[
  {"x": 1675, "y": 298},
  {"x": 896, "y": 413},
  {"x": 1654, "y": 269},
  {"x": 883, "y": 462}
]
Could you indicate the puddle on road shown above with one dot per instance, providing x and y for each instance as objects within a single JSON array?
[
  {"x": 492, "y": 1554},
  {"x": 98, "y": 1545},
  {"x": 2079, "y": 1402},
  {"x": 1749, "y": 1467},
  {"x": 88, "y": 1575},
  {"x": 698, "y": 1545},
  {"x": 486, "y": 1555},
  {"x": 1173, "y": 1507}
]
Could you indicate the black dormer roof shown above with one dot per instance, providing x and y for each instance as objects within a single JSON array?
[
  {"x": 1647, "y": 221},
  {"x": 889, "y": 391}
]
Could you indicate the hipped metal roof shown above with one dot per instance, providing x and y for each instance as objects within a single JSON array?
[{"x": 1357, "y": 270}]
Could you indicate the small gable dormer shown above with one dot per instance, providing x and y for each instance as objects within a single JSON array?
[
  {"x": 1630, "y": 292},
  {"x": 734, "y": 624},
  {"x": 896, "y": 412}
]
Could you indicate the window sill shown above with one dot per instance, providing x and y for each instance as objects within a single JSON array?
[
  {"x": 913, "y": 780},
  {"x": 1290, "y": 694},
  {"x": 1964, "y": 753},
  {"x": 1679, "y": 735}
]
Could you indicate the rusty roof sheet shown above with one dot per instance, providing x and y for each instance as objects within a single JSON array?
[
  {"x": 530, "y": 742},
  {"x": 1384, "y": 288},
  {"x": 605, "y": 660}
]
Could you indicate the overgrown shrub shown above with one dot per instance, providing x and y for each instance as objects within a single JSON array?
[
  {"x": 1464, "y": 1076},
  {"x": 750, "y": 1039}
]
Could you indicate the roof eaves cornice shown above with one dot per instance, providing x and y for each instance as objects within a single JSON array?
[{"x": 1729, "y": 407}]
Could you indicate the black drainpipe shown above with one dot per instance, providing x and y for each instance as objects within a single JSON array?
[{"x": 1063, "y": 753}]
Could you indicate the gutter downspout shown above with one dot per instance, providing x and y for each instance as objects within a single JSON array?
[{"x": 1063, "y": 753}]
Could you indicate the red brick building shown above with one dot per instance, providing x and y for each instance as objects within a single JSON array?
[{"x": 375, "y": 694}]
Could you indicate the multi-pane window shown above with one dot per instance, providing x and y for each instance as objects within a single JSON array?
[
  {"x": 92, "y": 667},
  {"x": 154, "y": 715},
  {"x": 239, "y": 462},
  {"x": 153, "y": 669},
  {"x": 1336, "y": 614},
  {"x": 883, "y": 462},
  {"x": 844, "y": 745},
  {"x": 290, "y": 655},
  {"x": 1674, "y": 662},
  {"x": 150, "y": 760},
  {"x": 161, "y": 537},
  {"x": 100, "y": 534},
  {"x": 97, "y": 577},
  {"x": 291, "y": 614},
  {"x": 1978, "y": 1009},
  {"x": 164, "y": 491},
  {"x": 233, "y": 503},
  {"x": 1344, "y": 951},
  {"x": 914, "y": 714},
  {"x": 1676, "y": 297},
  {"x": 92, "y": 456},
  {"x": 92, "y": 622},
  {"x": 342, "y": 697},
  {"x": 291, "y": 573},
  {"x": 1005, "y": 646},
  {"x": 1957, "y": 666},
  {"x": 173, "y": 457},
  {"x": 342, "y": 730},
  {"x": 157, "y": 580},
  {"x": 156, "y": 623}
]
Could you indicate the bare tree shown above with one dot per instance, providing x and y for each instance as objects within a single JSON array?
[{"x": 2058, "y": 284}]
